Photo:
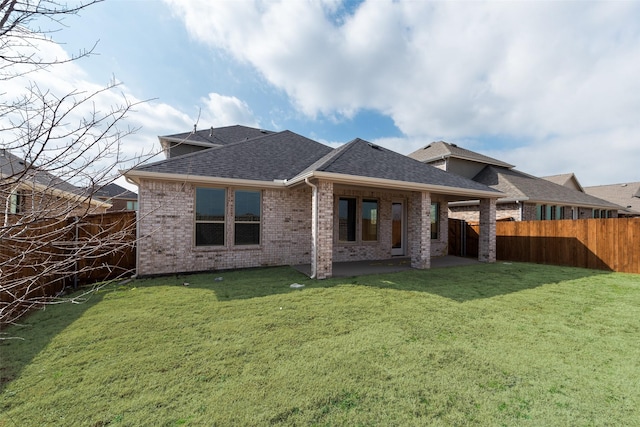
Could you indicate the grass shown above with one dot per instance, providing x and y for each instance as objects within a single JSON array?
[{"x": 502, "y": 344}]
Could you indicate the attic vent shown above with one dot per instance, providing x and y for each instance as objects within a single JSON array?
[
  {"x": 263, "y": 131},
  {"x": 623, "y": 185},
  {"x": 428, "y": 146},
  {"x": 453, "y": 145},
  {"x": 211, "y": 132},
  {"x": 373, "y": 146}
]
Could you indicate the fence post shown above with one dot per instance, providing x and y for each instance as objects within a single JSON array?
[{"x": 76, "y": 219}]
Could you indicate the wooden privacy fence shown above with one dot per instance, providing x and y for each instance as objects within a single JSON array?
[
  {"x": 607, "y": 244},
  {"x": 42, "y": 258}
]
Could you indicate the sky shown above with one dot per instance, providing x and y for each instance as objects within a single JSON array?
[{"x": 550, "y": 87}]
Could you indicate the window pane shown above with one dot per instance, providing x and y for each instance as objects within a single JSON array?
[
  {"x": 210, "y": 204},
  {"x": 13, "y": 203},
  {"x": 370, "y": 220},
  {"x": 210, "y": 234},
  {"x": 247, "y": 234},
  {"x": 247, "y": 206},
  {"x": 347, "y": 220},
  {"x": 435, "y": 220}
]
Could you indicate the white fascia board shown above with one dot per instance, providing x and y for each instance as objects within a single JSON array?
[{"x": 136, "y": 176}]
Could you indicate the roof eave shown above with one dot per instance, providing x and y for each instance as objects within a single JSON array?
[
  {"x": 394, "y": 185},
  {"x": 61, "y": 193},
  {"x": 135, "y": 176}
]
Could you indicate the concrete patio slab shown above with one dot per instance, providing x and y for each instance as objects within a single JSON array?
[{"x": 391, "y": 265}]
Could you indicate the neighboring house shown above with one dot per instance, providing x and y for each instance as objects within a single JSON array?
[
  {"x": 283, "y": 199},
  {"x": 28, "y": 191},
  {"x": 120, "y": 198},
  {"x": 627, "y": 195},
  {"x": 527, "y": 197},
  {"x": 568, "y": 180}
]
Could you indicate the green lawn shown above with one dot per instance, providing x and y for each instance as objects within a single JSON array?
[{"x": 501, "y": 344}]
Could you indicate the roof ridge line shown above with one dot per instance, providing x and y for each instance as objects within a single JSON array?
[{"x": 342, "y": 149}]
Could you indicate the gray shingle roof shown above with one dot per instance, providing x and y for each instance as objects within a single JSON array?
[
  {"x": 287, "y": 156},
  {"x": 271, "y": 156},
  {"x": 13, "y": 167},
  {"x": 218, "y": 136},
  {"x": 364, "y": 159},
  {"x": 521, "y": 186},
  {"x": 564, "y": 179},
  {"x": 440, "y": 149},
  {"x": 113, "y": 190},
  {"x": 626, "y": 195}
]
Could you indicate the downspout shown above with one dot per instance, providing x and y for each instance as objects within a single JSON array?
[{"x": 314, "y": 227}]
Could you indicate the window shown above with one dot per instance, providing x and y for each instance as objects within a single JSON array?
[
  {"x": 552, "y": 212},
  {"x": 16, "y": 202},
  {"x": 541, "y": 212},
  {"x": 210, "y": 216},
  {"x": 247, "y": 217},
  {"x": 369, "y": 220},
  {"x": 132, "y": 205},
  {"x": 347, "y": 220},
  {"x": 435, "y": 220}
]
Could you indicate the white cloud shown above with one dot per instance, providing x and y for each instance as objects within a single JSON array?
[
  {"x": 69, "y": 80},
  {"x": 560, "y": 77},
  {"x": 223, "y": 110}
]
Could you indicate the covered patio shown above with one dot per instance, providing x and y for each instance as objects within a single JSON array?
[{"x": 391, "y": 265}]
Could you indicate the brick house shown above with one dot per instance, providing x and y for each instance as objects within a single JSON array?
[
  {"x": 526, "y": 197},
  {"x": 119, "y": 197},
  {"x": 626, "y": 194},
  {"x": 30, "y": 193},
  {"x": 242, "y": 197}
]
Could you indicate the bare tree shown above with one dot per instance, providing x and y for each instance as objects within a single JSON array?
[{"x": 56, "y": 151}]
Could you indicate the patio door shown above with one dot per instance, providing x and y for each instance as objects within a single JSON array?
[{"x": 397, "y": 228}]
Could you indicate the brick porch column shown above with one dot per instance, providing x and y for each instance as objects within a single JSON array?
[
  {"x": 487, "y": 238},
  {"x": 323, "y": 257},
  {"x": 420, "y": 229}
]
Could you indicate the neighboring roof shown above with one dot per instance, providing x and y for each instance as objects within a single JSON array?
[
  {"x": 12, "y": 166},
  {"x": 626, "y": 195},
  {"x": 441, "y": 150},
  {"x": 360, "y": 158},
  {"x": 114, "y": 191},
  {"x": 521, "y": 186},
  {"x": 14, "y": 169},
  {"x": 272, "y": 156},
  {"x": 216, "y": 136},
  {"x": 565, "y": 179}
]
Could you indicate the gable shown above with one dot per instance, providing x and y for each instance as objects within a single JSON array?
[
  {"x": 444, "y": 150},
  {"x": 568, "y": 180}
]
